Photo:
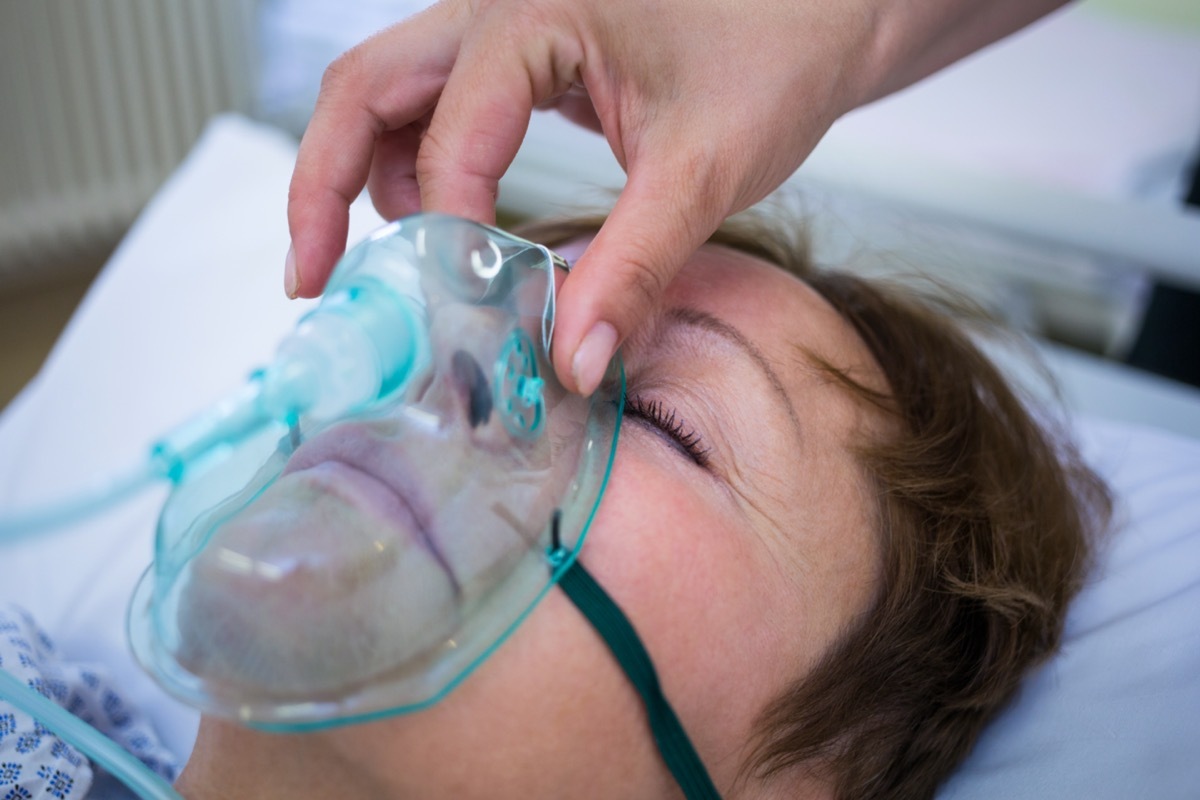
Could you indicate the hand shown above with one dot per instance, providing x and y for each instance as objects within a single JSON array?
[{"x": 708, "y": 105}]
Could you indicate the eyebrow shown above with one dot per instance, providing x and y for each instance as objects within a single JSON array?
[{"x": 694, "y": 318}]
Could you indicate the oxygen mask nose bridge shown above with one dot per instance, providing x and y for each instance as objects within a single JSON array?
[
  {"x": 479, "y": 264},
  {"x": 518, "y": 386},
  {"x": 551, "y": 309}
]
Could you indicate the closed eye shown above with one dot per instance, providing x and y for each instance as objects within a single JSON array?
[{"x": 669, "y": 423}]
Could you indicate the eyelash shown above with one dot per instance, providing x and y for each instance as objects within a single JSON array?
[{"x": 667, "y": 421}]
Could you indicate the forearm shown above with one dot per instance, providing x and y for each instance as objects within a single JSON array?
[{"x": 915, "y": 38}]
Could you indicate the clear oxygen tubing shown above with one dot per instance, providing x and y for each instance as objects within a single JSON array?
[
  {"x": 357, "y": 346},
  {"x": 361, "y": 344},
  {"x": 81, "y": 506},
  {"x": 74, "y": 731}
]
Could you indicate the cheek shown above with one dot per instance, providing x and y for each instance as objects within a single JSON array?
[
  {"x": 694, "y": 582},
  {"x": 658, "y": 540}
]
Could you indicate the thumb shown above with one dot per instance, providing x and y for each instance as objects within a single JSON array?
[{"x": 658, "y": 221}]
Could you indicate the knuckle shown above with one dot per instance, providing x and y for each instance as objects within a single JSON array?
[
  {"x": 342, "y": 71},
  {"x": 433, "y": 156},
  {"x": 644, "y": 278}
]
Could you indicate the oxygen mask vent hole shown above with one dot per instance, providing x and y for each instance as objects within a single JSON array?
[{"x": 518, "y": 387}]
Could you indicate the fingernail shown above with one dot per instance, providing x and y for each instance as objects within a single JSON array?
[
  {"x": 291, "y": 278},
  {"x": 592, "y": 357}
]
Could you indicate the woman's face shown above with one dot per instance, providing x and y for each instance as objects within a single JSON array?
[{"x": 737, "y": 534}]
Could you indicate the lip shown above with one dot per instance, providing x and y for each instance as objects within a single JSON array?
[{"x": 352, "y": 459}]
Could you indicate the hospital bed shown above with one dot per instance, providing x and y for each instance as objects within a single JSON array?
[{"x": 193, "y": 299}]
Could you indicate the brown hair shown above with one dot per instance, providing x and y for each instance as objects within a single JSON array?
[{"x": 986, "y": 520}]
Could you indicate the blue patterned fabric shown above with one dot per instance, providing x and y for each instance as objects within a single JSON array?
[{"x": 36, "y": 763}]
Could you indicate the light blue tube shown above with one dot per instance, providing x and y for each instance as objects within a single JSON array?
[
  {"x": 49, "y": 517},
  {"x": 98, "y": 747},
  {"x": 362, "y": 343}
]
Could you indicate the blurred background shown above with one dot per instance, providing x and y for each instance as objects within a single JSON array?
[{"x": 1093, "y": 115}]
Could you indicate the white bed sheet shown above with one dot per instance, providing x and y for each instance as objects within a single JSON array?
[{"x": 193, "y": 299}]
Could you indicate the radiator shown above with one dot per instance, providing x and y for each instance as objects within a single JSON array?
[{"x": 99, "y": 101}]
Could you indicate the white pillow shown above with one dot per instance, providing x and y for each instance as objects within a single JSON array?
[
  {"x": 193, "y": 299},
  {"x": 1117, "y": 713}
]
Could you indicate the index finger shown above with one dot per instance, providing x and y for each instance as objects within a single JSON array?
[
  {"x": 384, "y": 83},
  {"x": 477, "y": 128},
  {"x": 508, "y": 64}
]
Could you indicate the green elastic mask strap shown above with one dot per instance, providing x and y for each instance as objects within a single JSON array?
[{"x": 625, "y": 645}]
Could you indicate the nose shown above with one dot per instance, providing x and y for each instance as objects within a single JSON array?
[{"x": 487, "y": 373}]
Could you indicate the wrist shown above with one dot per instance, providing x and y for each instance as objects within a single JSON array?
[{"x": 912, "y": 39}]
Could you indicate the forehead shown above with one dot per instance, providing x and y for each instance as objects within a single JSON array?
[{"x": 788, "y": 320}]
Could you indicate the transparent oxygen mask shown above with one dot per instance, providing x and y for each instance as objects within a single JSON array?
[{"x": 382, "y": 505}]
